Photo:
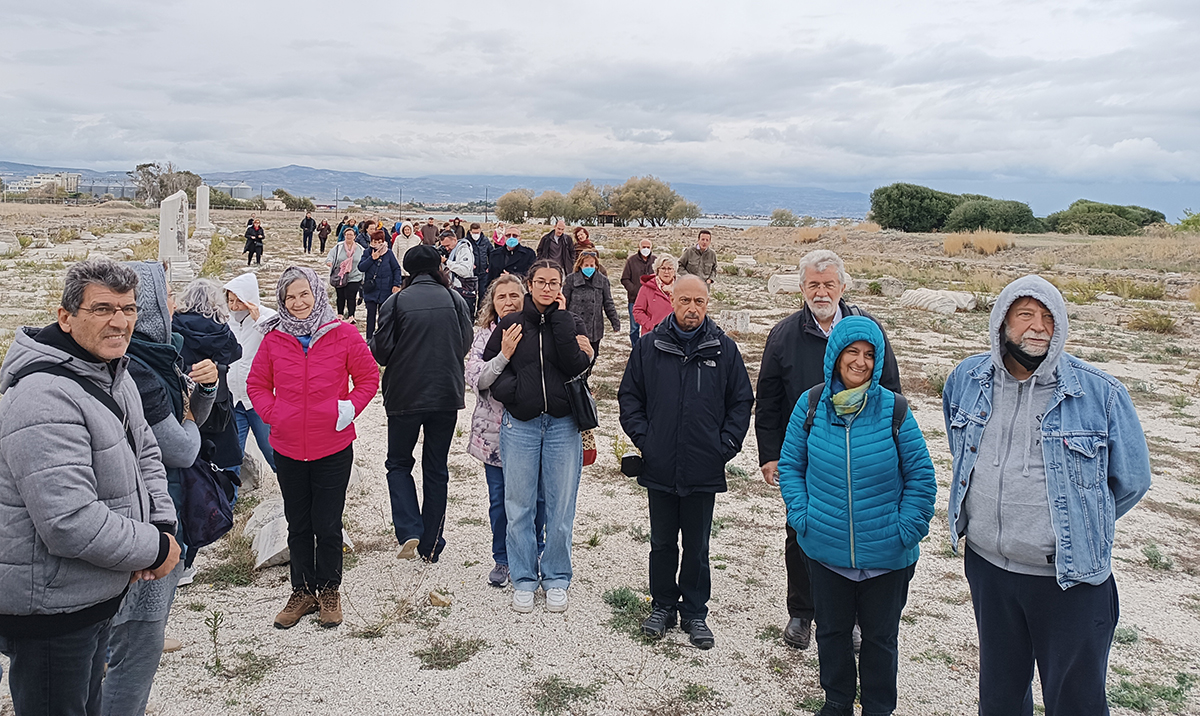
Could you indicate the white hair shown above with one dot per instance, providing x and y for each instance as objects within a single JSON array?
[
  {"x": 663, "y": 261},
  {"x": 821, "y": 260},
  {"x": 206, "y": 297}
]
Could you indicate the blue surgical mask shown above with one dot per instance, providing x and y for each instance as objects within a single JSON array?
[
  {"x": 511, "y": 242},
  {"x": 588, "y": 271}
]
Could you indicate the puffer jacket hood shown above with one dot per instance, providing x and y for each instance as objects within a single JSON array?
[
  {"x": 847, "y": 331},
  {"x": 205, "y": 338},
  {"x": 245, "y": 287},
  {"x": 1050, "y": 297},
  {"x": 154, "y": 318}
]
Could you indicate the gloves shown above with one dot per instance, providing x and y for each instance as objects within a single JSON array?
[{"x": 345, "y": 414}]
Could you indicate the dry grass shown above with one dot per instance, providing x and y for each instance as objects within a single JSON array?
[
  {"x": 983, "y": 241},
  {"x": 867, "y": 227},
  {"x": 1179, "y": 252},
  {"x": 954, "y": 244},
  {"x": 1194, "y": 296},
  {"x": 1153, "y": 321},
  {"x": 808, "y": 234}
]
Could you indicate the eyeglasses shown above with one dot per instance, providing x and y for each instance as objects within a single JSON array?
[
  {"x": 512, "y": 236},
  {"x": 539, "y": 283},
  {"x": 105, "y": 310}
]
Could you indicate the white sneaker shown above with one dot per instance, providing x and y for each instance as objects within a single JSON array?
[
  {"x": 186, "y": 577},
  {"x": 556, "y": 600},
  {"x": 522, "y": 601},
  {"x": 408, "y": 550}
]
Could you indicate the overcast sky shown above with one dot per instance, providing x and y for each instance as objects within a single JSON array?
[{"x": 845, "y": 94}]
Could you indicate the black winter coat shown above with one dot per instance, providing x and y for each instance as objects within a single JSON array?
[
  {"x": 794, "y": 361},
  {"x": 379, "y": 276},
  {"x": 308, "y": 225},
  {"x": 515, "y": 262},
  {"x": 205, "y": 338},
  {"x": 254, "y": 240},
  {"x": 545, "y": 359},
  {"x": 687, "y": 411},
  {"x": 561, "y": 252},
  {"x": 591, "y": 299},
  {"x": 423, "y": 338}
]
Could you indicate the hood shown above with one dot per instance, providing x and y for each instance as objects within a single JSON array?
[
  {"x": 1044, "y": 291},
  {"x": 26, "y": 350},
  {"x": 648, "y": 279},
  {"x": 154, "y": 319},
  {"x": 847, "y": 331},
  {"x": 245, "y": 287},
  {"x": 205, "y": 338}
]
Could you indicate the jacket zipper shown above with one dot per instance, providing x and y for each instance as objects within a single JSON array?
[
  {"x": 850, "y": 500},
  {"x": 305, "y": 352},
  {"x": 1000, "y": 478},
  {"x": 542, "y": 364}
]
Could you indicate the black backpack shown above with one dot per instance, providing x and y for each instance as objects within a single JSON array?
[{"x": 899, "y": 412}]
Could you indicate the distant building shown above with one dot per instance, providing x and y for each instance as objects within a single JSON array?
[
  {"x": 274, "y": 204},
  {"x": 242, "y": 191},
  {"x": 67, "y": 181},
  {"x": 97, "y": 188}
]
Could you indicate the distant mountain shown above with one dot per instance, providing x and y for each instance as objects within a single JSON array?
[{"x": 321, "y": 183}]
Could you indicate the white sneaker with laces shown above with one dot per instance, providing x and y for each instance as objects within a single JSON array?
[
  {"x": 186, "y": 577},
  {"x": 522, "y": 601},
  {"x": 556, "y": 600}
]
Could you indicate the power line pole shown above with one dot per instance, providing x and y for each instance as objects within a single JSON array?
[{"x": 485, "y": 203}]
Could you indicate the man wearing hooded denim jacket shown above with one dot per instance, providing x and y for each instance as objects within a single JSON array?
[{"x": 1047, "y": 453}]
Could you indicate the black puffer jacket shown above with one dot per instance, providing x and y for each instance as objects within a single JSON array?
[
  {"x": 205, "y": 338},
  {"x": 546, "y": 358},
  {"x": 687, "y": 408},
  {"x": 423, "y": 337}
]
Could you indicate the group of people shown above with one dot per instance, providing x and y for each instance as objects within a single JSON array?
[{"x": 130, "y": 384}]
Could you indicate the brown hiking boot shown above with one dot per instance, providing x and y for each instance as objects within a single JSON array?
[
  {"x": 299, "y": 604},
  {"x": 331, "y": 607}
]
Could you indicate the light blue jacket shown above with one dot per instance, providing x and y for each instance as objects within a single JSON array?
[
  {"x": 1097, "y": 461},
  {"x": 852, "y": 499}
]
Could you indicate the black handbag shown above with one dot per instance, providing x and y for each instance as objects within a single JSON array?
[{"x": 583, "y": 405}]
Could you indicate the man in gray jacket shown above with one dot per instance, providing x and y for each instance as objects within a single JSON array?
[
  {"x": 83, "y": 494},
  {"x": 700, "y": 260}
]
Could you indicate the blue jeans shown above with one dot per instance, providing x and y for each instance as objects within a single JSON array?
[
  {"x": 248, "y": 420},
  {"x": 495, "y": 485},
  {"x": 544, "y": 454},
  {"x": 135, "y": 644},
  {"x": 634, "y": 329},
  {"x": 58, "y": 674},
  {"x": 426, "y": 520}
]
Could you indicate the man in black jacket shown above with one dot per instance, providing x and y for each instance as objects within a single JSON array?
[
  {"x": 308, "y": 226},
  {"x": 512, "y": 257},
  {"x": 556, "y": 246},
  {"x": 423, "y": 337},
  {"x": 685, "y": 402},
  {"x": 794, "y": 361}
]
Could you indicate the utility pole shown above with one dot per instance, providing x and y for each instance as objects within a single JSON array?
[
  {"x": 485, "y": 199},
  {"x": 336, "y": 195}
]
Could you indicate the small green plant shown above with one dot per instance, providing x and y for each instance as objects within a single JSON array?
[
  {"x": 639, "y": 534},
  {"x": 720, "y": 296},
  {"x": 629, "y": 610},
  {"x": 214, "y": 263},
  {"x": 556, "y": 695},
  {"x": 620, "y": 447},
  {"x": 736, "y": 472},
  {"x": 730, "y": 269},
  {"x": 770, "y": 633},
  {"x": 875, "y": 288},
  {"x": 1125, "y": 635},
  {"x": 197, "y": 607},
  {"x": 1082, "y": 292},
  {"x": 252, "y": 667},
  {"x": 214, "y": 621},
  {"x": 446, "y": 652},
  {"x": 1180, "y": 401},
  {"x": 459, "y": 432},
  {"x": 718, "y": 524},
  {"x": 594, "y": 540},
  {"x": 1151, "y": 320},
  {"x": 24, "y": 241},
  {"x": 1147, "y": 695},
  {"x": 694, "y": 693},
  {"x": 64, "y": 235},
  {"x": 1155, "y": 558}
]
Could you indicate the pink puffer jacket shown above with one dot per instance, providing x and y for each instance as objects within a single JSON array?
[
  {"x": 297, "y": 393},
  {"x": 484, "y": 444}
]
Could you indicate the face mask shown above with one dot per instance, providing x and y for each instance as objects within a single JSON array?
[
  {"x": 511, "y": 242},
  {"x": 589, "y": 270},
  {"x": 644, "y": 252},
  {"x": 475, "y": 236}
]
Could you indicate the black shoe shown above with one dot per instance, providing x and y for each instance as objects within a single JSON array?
[
  {"x": 659, "y": 621},
  {"x": 798, "y": 633},
  {"x": 828, "y": 710},
  {"x": 698, "y": 633}
]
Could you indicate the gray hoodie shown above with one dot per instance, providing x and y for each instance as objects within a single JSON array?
[{"x": 1006, "y": 511}]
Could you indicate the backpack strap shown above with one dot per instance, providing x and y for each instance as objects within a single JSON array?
[
  {"x": 92, "y": 389},
  {"x": 814, "y": 399},
  {"x": 899, "y": 413}
]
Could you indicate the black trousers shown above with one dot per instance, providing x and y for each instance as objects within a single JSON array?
[
  {"x": 1024, "y": 619},
  {"x": 307, "y": 241},
  {"x": 799, "y": 586},
  {"x": 323, "y": 240},
  {"x": 58, "y": 674},
  {"x": 255, "y": 256},
  {"x": 347, "y": 298},
  {"x": 876, "y": 603},
  {"x": 314, "y": 496},
  {"x": 425, "y": 520},
  {"x": 372, "y": 313},
  {"x": 674, "y": 584}
]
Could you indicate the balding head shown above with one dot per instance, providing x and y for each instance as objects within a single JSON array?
[{"x": 690, "y": 301}]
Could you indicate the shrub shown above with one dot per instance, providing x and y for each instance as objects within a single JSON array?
[
  {"x": 910, "y": 207},
  {"x": 1013, "y": 216},
  {"x": 1153, "y": 321},
  {"x": 1096, "y": 224},
  {"x": 784, "y": 217},
  {"x": 984, "y": 242},
  {"x": 1117, "y": 220},
  {"x": 954, "y": 244},
  {"x": 1191, "y": 222},
  {"x": 1128, "y": 288},
  {"x": 730, "y": 269},
  {"x": 808, "y": 234},
  {"x": 876, "y": 289}
]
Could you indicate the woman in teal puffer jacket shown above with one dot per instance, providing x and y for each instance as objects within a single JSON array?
[{"x": 860, "y": 499}]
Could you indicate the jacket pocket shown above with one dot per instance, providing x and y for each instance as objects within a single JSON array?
[{"x": 1087, "y": 459}]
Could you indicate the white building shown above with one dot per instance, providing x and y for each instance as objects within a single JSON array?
[{"x": 67, "y": 181}]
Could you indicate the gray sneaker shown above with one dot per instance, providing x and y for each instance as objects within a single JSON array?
[{"x": 498, "y": 577}]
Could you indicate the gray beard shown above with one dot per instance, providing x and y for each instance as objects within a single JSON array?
[{"x": 822, "y": 314}]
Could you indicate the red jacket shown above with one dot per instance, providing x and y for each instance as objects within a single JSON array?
[
  {"x": 652, "y": 305},
  {"x": 296, "y": 393}
]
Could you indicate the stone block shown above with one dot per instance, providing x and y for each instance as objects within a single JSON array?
[
  {"x": 270, "y": 544},
  {"x": 784, "y": 283},
  {"x": 744, "y": 261},
  {"x": 265, "y": 512},
  {"x": 734, "y": 321},
  {"x": 891, "y": 286},
  {"x": 945, "y": 302}
]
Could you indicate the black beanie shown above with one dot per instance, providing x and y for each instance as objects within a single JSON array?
[{"x": 422, "y": 258}]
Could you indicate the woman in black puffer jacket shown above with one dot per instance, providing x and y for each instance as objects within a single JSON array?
[{"x": 540, "y": 445}]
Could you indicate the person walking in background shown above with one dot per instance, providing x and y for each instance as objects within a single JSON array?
[
  {"x": 308, "y": 225},
  {"x": 423, "y": 337},
  {"x": 794, "y": 361},
  {"x": 202, "y": 318},
  {"x": 583, "y": 240},
  {"x": 405, "y": 240},
  {"x": 457, "y": 227},
  {"x": 685, "y": 403},
  {"x": 540, "y": 444},
  {"x": 859, "y": 488},
  {"x": 700, "y": 260},
  {"x": 300, "y": 385},
  {"x": 654, "y": 298},
  {"x": 85, "y": 504},
  {"x": 341, "y": 227},
  {"x": 482, "y": 248},
  {"x": 504, "y": 297},
  {"x": 171, "y": 404},
  {"x": 589, "y": 296},
  {"x": 246, "y": 314},
  {"x": 1047, "y": 453},
  {"x": 512, "y": 257},
  {"x": 255, "y": 238},
  {"x": 323, "y": 232},
  {"x": 381, "y": 278},
  {"x": 460, "y": 264},
  {"x": 344, "y": 274},
  {"x": 556, "y": 247},
  {"x": 639, "y": 264},
  {"x": 429, "y": 232}
]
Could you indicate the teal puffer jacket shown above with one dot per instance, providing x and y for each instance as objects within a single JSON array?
[{"x": 853, "y": 501}]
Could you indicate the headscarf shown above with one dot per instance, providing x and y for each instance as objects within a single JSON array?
[
  {"x": 154, "y": 320},
  {"x": 319, "y": 321},
  {"x": 849, "y": 401}
]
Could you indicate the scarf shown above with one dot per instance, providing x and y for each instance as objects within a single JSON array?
[
  {"x": 667, "y": 288},
  {"x": 849, "y": 401},
  {"x": 321, "y": 320}
]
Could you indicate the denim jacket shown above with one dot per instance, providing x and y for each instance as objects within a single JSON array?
[{"x": 1097, "y": 460}]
